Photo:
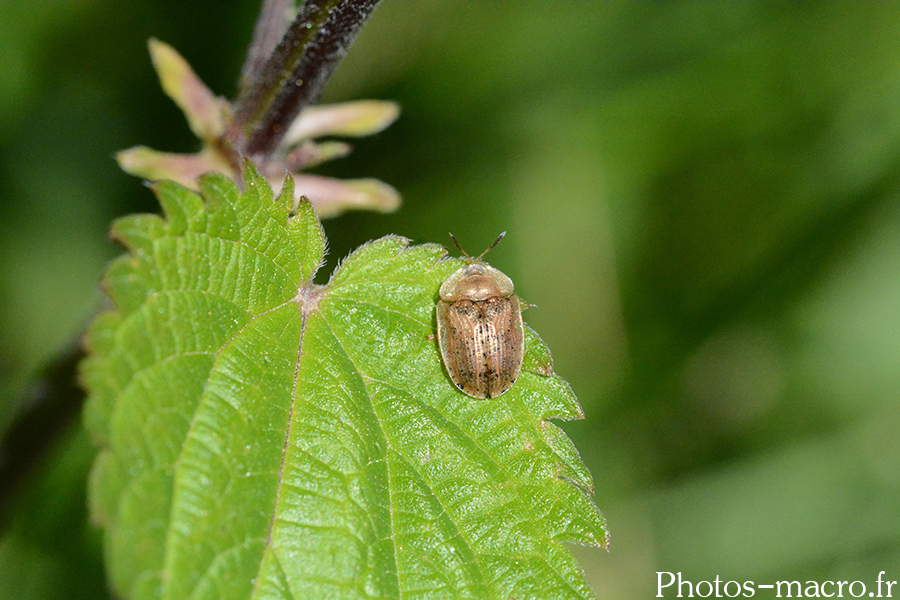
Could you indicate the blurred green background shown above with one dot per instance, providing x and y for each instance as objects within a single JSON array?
[{"x": 701, "y": 199}]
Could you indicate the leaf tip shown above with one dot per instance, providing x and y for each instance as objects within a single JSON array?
[
  {"x": 286, "y": 195},
  {"x": 354, "y": 119},
  {"x": 201, "y": 108}
]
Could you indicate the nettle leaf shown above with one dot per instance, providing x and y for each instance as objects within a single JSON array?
[{"x": 262, "y": 436}]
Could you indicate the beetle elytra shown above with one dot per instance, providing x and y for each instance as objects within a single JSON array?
[{"x": 479, "y": 328}]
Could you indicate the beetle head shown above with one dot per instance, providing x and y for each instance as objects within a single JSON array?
[{"x": 476, "y": 281}]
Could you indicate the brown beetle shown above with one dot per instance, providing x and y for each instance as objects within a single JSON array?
[{"x": 479, "y": 328}]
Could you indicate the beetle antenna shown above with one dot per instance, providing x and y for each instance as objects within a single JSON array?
[
  {"x": 497, "y": 241},
  {"x": 453, "y": 237}
]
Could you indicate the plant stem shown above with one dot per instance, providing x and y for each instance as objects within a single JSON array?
[
  {"x": 296, "y": 73},
  {"x": 270, "y": 26},
  {"x": 51, "y": 406}
]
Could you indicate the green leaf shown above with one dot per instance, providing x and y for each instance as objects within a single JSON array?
[{"x": 266, "y": 437}]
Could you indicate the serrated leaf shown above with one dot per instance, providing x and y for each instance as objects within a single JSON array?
[{"x": 265, "y": 437}]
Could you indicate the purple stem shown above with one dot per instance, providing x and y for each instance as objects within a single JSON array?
[{"x": 296, "y": 72}]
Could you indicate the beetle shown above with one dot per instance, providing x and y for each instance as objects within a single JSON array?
[{"x": 479, "y": 328}]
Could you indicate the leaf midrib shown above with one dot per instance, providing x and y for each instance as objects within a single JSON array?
[{"x": 304, "y": 317}]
